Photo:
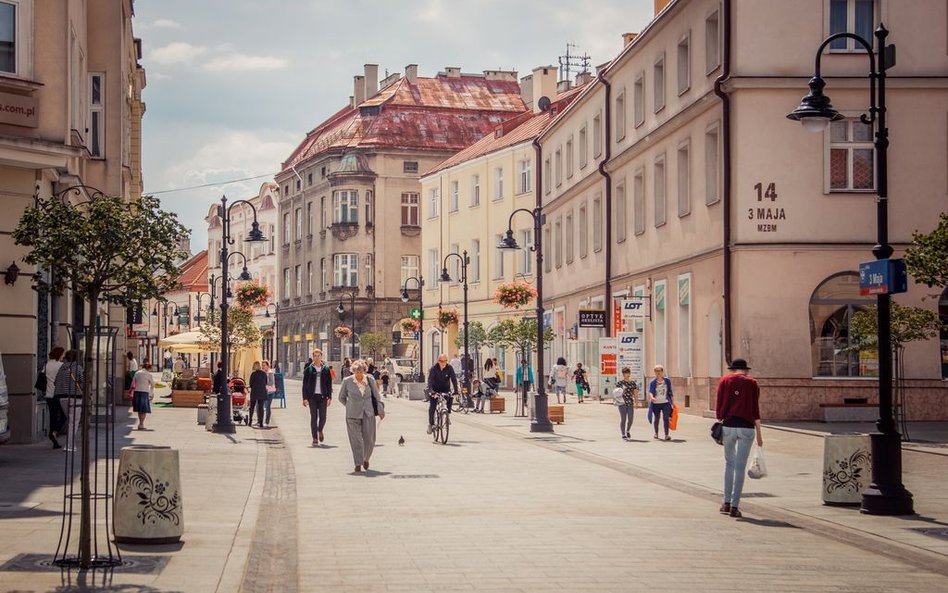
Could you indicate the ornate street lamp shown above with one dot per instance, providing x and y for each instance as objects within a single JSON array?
[
  {"x": 340, "y": 309},
  {"x": 541, "y": 421},
  {"x": 445, "y": 277},
  {"x": 275, "y": 328},
  {"x": 886, "y": 494},
  {"x": 421, "y": 321}
]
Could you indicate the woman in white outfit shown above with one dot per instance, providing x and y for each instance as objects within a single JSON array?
[
  {"x": 360, "y": 395},
  {"x": 68, "y": 389}
]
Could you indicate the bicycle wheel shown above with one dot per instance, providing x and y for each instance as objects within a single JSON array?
[
  {"x": 436, "y": 429},
  {"x": 445, "y": 427}
]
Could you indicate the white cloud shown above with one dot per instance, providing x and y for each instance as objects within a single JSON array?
[
  {"x": 166, "y": 24},
  {"x": 178, "y": 52},
  {"x": 244, "y": 63}
]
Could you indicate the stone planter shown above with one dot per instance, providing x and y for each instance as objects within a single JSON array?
[
  {"x": 846, "y": 472},
  {"x": 147, "y": 506}
]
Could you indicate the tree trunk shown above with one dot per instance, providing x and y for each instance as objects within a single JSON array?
[{"x": 85, "y": 516}]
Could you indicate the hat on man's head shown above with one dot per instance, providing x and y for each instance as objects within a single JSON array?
[{"x": 739, "y": 364}]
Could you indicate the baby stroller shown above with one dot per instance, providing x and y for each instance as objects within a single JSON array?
[
  {"x": 490, "y": 385},
  {"x": 238, "y": 398}
]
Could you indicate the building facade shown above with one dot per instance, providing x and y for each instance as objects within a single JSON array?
[
  {"x": 351, "y": 204},
  {"x": 70, "y": 88},
  {"x": 739, "y": 232}
]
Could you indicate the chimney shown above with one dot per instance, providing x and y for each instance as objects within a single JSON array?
[
  {"x": 660, "y": 5},
  {"x": 583, "y": 78},
  {"x": 358, "y": 89},
  {"x": 628, "y": 38},
  {"x": 452, "y": 71},
  {"x": 411, "y": 73},
  {"x": 351, "y": 101},
  {"x": 371, "y": 80},
  {"x": 562, "y": 86},
  {"x": 544, "y": 85},
  {"x": 526, "y": 90},
  {"x": 501, "y": 75}
]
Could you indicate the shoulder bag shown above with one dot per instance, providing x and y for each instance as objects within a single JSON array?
[{"x": 717, "y": 429}]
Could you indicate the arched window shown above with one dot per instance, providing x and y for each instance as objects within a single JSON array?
[
  {"x": 832, "y": 306},
  {"x": 943, "y": 313}
]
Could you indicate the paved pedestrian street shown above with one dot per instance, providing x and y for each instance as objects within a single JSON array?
[{"x": 497, "y": 509}]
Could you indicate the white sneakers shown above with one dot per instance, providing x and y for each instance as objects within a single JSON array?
[{"x": 430, "y": 428}]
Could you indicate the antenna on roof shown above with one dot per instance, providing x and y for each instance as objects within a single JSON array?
[{"x": 571, "y": 62}]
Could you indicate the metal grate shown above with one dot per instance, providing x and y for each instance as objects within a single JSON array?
[
  {"x": 45, "y": 563},
  {"x": 414, "y": 476}
]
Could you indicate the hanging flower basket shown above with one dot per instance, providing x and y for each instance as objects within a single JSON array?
[
  {"x": 410, "y": 325},
  {"x": 514, "y": 295},
  {"x": 447, "y": 317},
  {"x": 252, "y": 295},
  {"x": 343, "y": 331}
]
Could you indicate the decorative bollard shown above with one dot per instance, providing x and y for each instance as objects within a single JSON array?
[
  {"x": 846, "y": 472},
  {"x": 202, "y": 413},
  {"x": 211, "y": 412},
  {"x": 148, "y": 506}
]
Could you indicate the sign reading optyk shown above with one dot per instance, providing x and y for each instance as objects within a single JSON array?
[{"x": 595, "y": 318}]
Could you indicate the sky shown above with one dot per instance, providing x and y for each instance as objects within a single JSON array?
[{"x": 234, "y": 85}]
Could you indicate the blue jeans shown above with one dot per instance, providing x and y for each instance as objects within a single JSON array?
[
  {"x": 664, "y": 410},
  {"x": 737, "y": 447},
  {"x": 268, "y": 405}
]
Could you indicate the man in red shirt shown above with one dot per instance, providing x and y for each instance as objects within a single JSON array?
[{"x": 737, "y": 406}]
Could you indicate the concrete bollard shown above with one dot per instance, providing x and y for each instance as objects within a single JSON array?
[
  {"x": 147, "y": 506},
  {"x": 846, "y": 472}
]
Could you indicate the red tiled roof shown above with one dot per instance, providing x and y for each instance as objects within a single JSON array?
[
  {"x": 194, "y": 273},
  {"x": 442, "y": 113},
  {"x": 521, "y": 128}
]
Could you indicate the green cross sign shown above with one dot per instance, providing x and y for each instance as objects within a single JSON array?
[{"x": 415, "y": 313}]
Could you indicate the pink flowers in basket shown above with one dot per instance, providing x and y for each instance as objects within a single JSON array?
[
  {"x": 447, "y": 317},
  {"x": 252, "y": 294},
  {"x": 514, "y": 295},
  {"x": 410, "y": 325},
  {"x": 343, "y": 331}
]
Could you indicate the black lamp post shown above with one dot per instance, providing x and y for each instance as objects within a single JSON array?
[
  {"x": 199, "y": 298},
  {"x": 445, "y": 277},
  {"x": 421, "y": 321},
  {"x": 541, "y": 421},
  {"x": 214, "y": 281},
  {"x": 886, "y": 494},
  {"x": 340, "y": 309},
  {"x": 225, "y": 421},
  {"x": 275, "y": 334}
]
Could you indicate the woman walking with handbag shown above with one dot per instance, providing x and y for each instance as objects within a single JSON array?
[
  {"x": 57, "y": 418},
  {"x": 737, "y": 406},
  {"x": 360, "y": 395},
  {"x": 258, "y": 394},
  {"x": 68, "y": 391},
  {"x": 660, "y": 400},
  {"x": 624, "y": 398}
]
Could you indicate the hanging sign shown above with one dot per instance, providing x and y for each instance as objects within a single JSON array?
[{"x": 594, "y": 318}]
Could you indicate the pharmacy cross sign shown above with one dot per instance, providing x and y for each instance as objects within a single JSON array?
[{"x": 415, "y": 313}]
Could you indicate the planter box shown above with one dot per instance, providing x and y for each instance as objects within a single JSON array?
[
  {"x": 187, "y": 399},
  {"x": 498, "y": 404},
  {"x": 556, "y": 414}
]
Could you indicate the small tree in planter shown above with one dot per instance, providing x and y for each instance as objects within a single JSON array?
[
  {"x": 518, "y": 334},
  {"x": 447, "y": 317},
  {"x": 372, "y": 343},
  {"x": 513, "y": 295},
  {"x": 242, "y": 330},
  {"x": 477, "y": 339}
]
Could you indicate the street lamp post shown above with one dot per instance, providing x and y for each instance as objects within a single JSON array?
[
  {"x": 214, "y": 281},
  {"x": 164, "y": 319},
  {"x": 421, "y": 321},
  {"x": 340, "y": 309},
  {"x": 886, "y": 494},
  {"x": 272, "y": 354},
  {"x": 225, "y": 421},
  {"x": 445, "y": 277},
  {"x": 541, "y": 421}
]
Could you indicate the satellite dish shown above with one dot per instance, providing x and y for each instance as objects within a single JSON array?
[{"x": 543, "y": 103}]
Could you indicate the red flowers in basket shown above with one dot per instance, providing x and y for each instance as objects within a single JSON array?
[
  {"x": 343, "y": 331},
  {"x": 252, "y": 295},
  {"x": 410, "y": 325},
  {"x": 514, "y": 295}
]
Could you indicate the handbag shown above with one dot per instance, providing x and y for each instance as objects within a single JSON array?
[
  {"x": 40, "y": 384},
  {"x": 717, "y": 429}
]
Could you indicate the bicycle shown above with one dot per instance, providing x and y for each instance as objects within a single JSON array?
[
  {"x": 442, "y": 419},
  {"x": 463, "y": 403}
]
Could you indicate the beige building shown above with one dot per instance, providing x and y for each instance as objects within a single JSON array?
[
  {"x": 739, "y": 231},
  {"x": 351, "y": 205},
  {"x": 468, "y": 202},
  {"x": 70, "y": 114}
]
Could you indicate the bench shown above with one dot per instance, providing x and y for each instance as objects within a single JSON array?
[
  {"x": 556, "y": 414},
  {"x": 849, "y": 412},
  {"x": 498, "y": 404}
]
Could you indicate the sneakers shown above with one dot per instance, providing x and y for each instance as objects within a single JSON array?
[
  {"x": 735, "y": 513},
  {"x": 430, "y": 428},
  {"x": 365, "y": 464},
  {"x": 725, "y": 508},
  {"x": 321, "y": 437},
  {"x": 315, "y": 442},
  {"x": 667, "y": 438}
]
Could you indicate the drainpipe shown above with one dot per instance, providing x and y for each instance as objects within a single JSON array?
[
  {"x": 607, "y": 138},
  {"x": 726, "y": 161}
]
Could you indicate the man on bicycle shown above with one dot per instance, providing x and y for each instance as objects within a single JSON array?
[{"x": 441, "y": 378}]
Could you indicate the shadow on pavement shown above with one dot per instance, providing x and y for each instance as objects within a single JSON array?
[{"x": 766, "y": 523}]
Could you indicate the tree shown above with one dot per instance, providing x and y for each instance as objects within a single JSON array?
[
  {"x": 372, "y": 344},
  {"x": 477, "y": 340},
  {"x": 106, "y": 249},
  {"x": 519, "y": 334},
  {"x": 927, "y": 258},
  {"x": 241, "y": 328}
]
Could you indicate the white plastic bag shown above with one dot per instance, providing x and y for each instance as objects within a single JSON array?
[{"x": 758, "y": 467}]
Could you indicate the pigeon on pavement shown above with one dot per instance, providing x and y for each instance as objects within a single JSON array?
[{"x": 401, "y": 441}]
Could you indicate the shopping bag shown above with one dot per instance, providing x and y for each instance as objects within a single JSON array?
[
  {"x": 673, "y": 423},
  {"x": 758, "y": 468}
]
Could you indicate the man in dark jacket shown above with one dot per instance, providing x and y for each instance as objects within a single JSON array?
[
  {"x": 441, "y": 378},
  {"x": 317, "y": 394}
]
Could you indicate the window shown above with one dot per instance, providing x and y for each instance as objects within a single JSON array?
[
  {"x": 525, "y": 256},
  {"x": 583, "y": 232},
  {"x": 322, "y": 213},
  {"x": 96, "y": 104},
  {"x": 410, "y": 209},
  {"x": 309, "y": 277},
  {"x": 271, "y": 236},
  {"x": 525, "y": 176},
  {"x": 409, "y": 267},
  {"x": 498, "y": 258},
  {"x": 434, "y": 269},
  {"x": 286, "y": 283},
  {"x": 622, "y": 220},
  {"x": 345, "y": 269},
  {"x": 454, "y": 264},
  {"x": 299, "y": 281},
  {"x": 322, "y": 274},
  {"x": 638, "y": 202},
  {"x": 832, "y": 307},
  {"x": 558, "y": 166},
  {"x": 597, "y": 223},
  {"x": 711, "y": 166},
  {"x": 658, "y": 75},
  {"x": 309, "y": 179},
  {"x": 474, "y": 268},
  {"x": 299, "y": 224},
  {"x": 475, "y": 190},
  {"x": 569, "y": 157},
  {"x": 712, "y": 43},
  {"x": 547, "y": 241},
  {"x": 659, "y": 191},
  {"x": 684, "y": 325},
  {"x": 620, "y": 110},
  {"x": 684, "y": 64},
  {"x": 455, "y": 195},
  {"x": 638, "y": 101},
  {"x": 369, "y": 218},
  {"x": 661, "y": 323},
  {"x": 498, "y": 183},
  {"x": 855, "y": 16},
  {"x": 684, "y": 179},
  {"x": 410, "y": 167},
  {"x": 286, "y": 228},
  {"x": 8, "y": 37},
  {"x": 369, "y": 269},
  {"x": 851, "y": 157},
  {"x": 309, "y": 218},
  {"x": 434, "y": 203},
  {"x": 558, "y": 241},
  {"x": 639, "y": 293},
  {"x": 597, "y": 135},
  {"x": 569, "y": 238},
  {"x": 346, "y": 205},
  {"x": 286, "y": 190},
  {"x": 583, "y": 147}
]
